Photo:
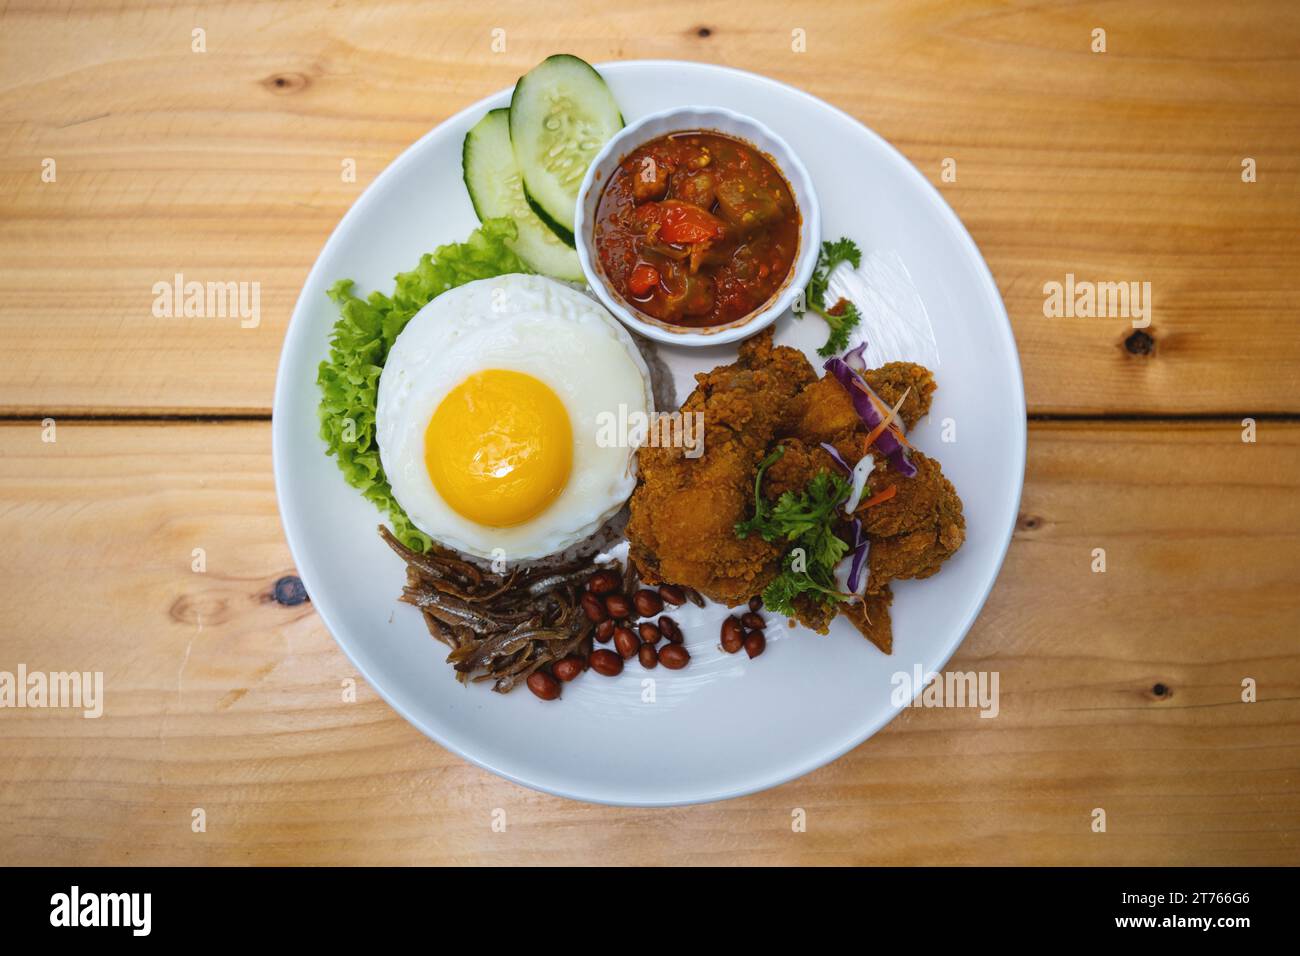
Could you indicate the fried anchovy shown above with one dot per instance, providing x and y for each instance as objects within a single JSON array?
[
  {"x": 554, "y": 581},
  {"x": 508, "y": 678},
  {"x": 500, "y": 627},
  {"x": 452, "y": 621},
  {"x": 505, "y": 644},
  {"x": 419, "y": 579},
  {"x": 585, "y": 565},
  {"x": 440, "y": 630},
  {"x": 508, "y": 682},
  {"x": 450, "y": 610},
  {"x": 439, "y": 564}
]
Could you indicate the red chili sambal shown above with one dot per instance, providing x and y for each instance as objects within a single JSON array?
[{"x": 697, "y": 229}]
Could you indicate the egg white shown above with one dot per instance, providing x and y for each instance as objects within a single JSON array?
[{"x": 526, "y": 324}]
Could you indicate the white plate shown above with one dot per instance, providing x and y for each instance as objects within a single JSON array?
[{"x": 726, "y": 725}]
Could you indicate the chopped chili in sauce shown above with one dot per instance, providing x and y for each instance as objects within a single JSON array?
[{"x": 697, "y": 229}]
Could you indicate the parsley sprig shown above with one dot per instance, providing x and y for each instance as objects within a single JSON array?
[
  {"x": 843, "y": 315},
  {"x": 803, "y": 519}
]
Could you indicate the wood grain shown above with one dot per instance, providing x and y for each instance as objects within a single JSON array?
[
  {"x": 220, "y": 698},
  {"x": 225, "y": 165}
]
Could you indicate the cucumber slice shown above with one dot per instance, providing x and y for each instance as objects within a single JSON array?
[
  {"x": 496, "y": 189},
  {"x": 561, "y": 114}
]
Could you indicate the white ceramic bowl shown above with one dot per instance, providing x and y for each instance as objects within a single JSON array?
[{"x": 738, "y": 126}]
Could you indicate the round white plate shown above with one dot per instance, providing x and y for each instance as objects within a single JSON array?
[{"x": 725, "y": 725}]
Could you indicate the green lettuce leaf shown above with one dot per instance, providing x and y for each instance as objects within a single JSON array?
[{"x": 366, "y": 330}]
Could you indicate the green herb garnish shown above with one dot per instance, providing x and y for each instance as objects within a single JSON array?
[
  {"x": 804, "y": 519},
  {"x": 840, "y": 316},
  {"x": 359, "y": 344}
]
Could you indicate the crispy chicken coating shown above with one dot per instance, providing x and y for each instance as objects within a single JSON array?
[
  {"x": 684, "y": 510},
  {"x": 911, "y": 534},
  {"x": 822, "y": 412},
  {"x": 799, "y": 464},
  {"x": 915, "y": 531},
  {"x": 892, "y": 381},
  {"x": 871, "y": 618}
]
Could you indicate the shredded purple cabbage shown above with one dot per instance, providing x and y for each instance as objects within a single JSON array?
[
  {"x": 891, "y": 446},
  {"x": 861, "y": 472},
  {"x": 854, "y": 360},
  {"x": 860, "y": 544},
  {"x": 834, "y": 453}
]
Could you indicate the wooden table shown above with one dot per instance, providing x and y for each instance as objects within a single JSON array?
[{"x": 1120, "y": 690}]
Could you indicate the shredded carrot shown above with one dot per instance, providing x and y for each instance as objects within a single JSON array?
[
  {"x": 887, "y": 420},
  {"x": 882, "y": 497},
  {"x": 876, "y": 433},
  {"x": 883, "y": 409}
]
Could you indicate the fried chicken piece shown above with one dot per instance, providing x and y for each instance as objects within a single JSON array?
[
  {"x": 893, "y": 380},
  {"x": 799, "y": 464},
  {"x": 914, "y": 532},
  {"x": 684, "y": 510},
  {"x": 920, "y": 500},
  {"x": 814, "y": 614},
  {"x": 871, "y": 618},
  {"x": 911, "y": 534},
  {"x": 917, "y": 530},
  {"x": 824, "y": 412}
]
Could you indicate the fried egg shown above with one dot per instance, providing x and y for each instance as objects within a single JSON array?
[{"x": 492, "y": 417}]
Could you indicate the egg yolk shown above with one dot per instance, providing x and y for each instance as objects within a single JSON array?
[{"x": 499, "y": 448}]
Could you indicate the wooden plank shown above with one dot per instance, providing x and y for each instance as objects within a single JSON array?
[
  {"x": 1115, "y": 166},
  {"x": 220, "y": 698}
]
